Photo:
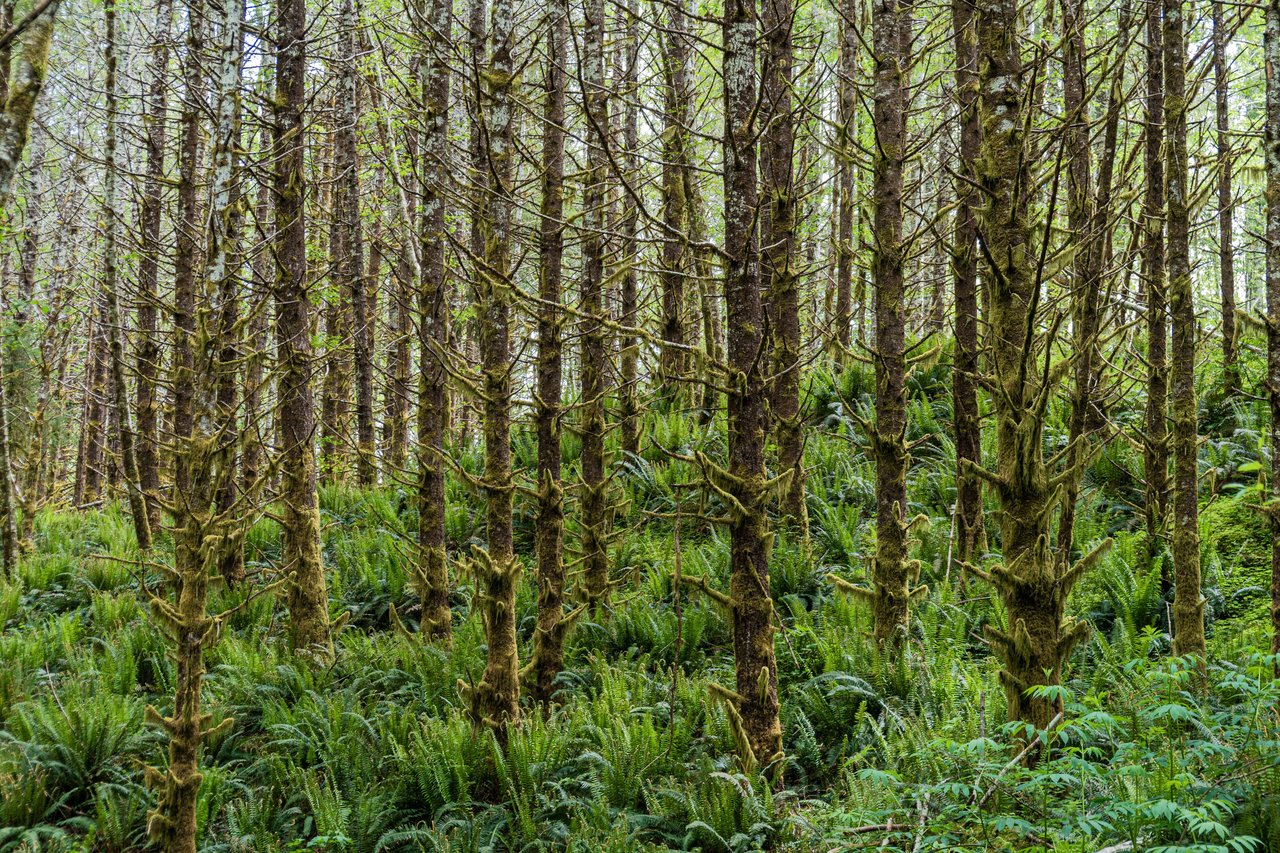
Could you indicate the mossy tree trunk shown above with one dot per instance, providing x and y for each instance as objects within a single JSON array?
[
  {"x": 495, "y": 699},
  {"x": 893, "y": 575},
  {"x": 359, "y": 289},
  {"x": 186, "y": 258},
  {"x": 1271, "y": 156},
  {"x": 149, "y": 215},
  {"x": 1155, "y": 437},
  {"x": 1033, "y": 582},
  {"x": 779, "y": 253},
  {"x": 548, "y": 636},
  {"x": 970, "y": 532},
  {"x": 676, "y": 262},
  {"x": 595, "y": 364},
  {"x": 308, "y": 597},
  {"x": 756, "y": 698},
  {"x": 1226, "y": 206},
  {"x": 846, "y": 158},
  {"x": 111, "y": 295},
  {"x": 431, "y": 572},
  {"x": 629, "y": 406},
  {"x": 1188, "y": 603},
  {"x": 1089, "y": 218},
  {"x": 205, "y": 535}
]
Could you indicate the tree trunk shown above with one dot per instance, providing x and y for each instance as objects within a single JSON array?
[
  {"x": 110, "y": 284},
  {"x": 1155, "y": 440},
  {"x": 149, "y": 352},
  {"x": 676, "y": 263},
  {"x": 595, "y": 363},
  {"x": 308, "y": 596},
  {"x": 756, "y": 698},
  {"x": 628, "y": 405},
  {"x": 548, "y": 636},
  {"x": 970, "y": 530},
  {"x": 431, "y": 573},
  {"x": 204, "y": 534},
  {"x": 495, "y": 700},
  {"x": 894, "y": 577},
  {"x": 846, "y": 139},
  {"x": 187, "y": 255},
  {"x": 779, "y": 254},
  {"x": 1226, "y": 205},
  {"x": 1271, "y": 155},
  {"x": 354, "y": 283},
  {"x": 1033, "y": 581},
  {"x": 1188, "y": 604}
]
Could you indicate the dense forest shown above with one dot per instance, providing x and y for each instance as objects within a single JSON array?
[{"x": 621, "y": 425}]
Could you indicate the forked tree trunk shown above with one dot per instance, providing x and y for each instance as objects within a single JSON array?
[{"x": 1188, "y": 603}]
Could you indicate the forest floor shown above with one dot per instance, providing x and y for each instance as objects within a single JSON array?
[{"x": 906, "y": 752}]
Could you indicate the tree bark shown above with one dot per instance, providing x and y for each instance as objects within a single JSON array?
[
  {"x": 149, "y": 353},
  {"x": 894, "y": 576},
  {"x": 111, "y": 295},
  {"x": 187, "y": 237},
  {"x": 548, "y": 635},
  {"x": 308, "y": 597},
  {"x": 431, "y": 573},
  {"x": 1188, "y": 603},
  {"x": 1034, "y": 582},
  {"x": 595, "y": 364},
  {"x": 629, "y": 258},
  {"x": 1226, "y": 206},
  {"x": 676, "y": 263},
  {"x": 495, "y": 700},
  {"x": 1155, "y": 439},
  {"x": 756, "y": 697},
  {"x": 780, "y": 256},
  {"x": 1271, "y": 156},
  {"x": 970, "y": 531}
]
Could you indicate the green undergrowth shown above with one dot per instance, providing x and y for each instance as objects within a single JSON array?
[{"x": 902, "y": 752}]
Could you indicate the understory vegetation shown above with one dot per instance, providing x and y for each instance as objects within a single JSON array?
[{"x": 906, "y": 750}]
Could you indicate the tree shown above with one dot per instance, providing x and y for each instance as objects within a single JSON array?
[
  {"x": 548, "y": 636},
  {"x": 1188, "y": 603},
  {"x": 1271, "y": 156},
  {"x": 308, "y": 595},
  {"x": 1033, "y": 580},
  {"x": 755, "y": 701},
  {"x": 431, "y": 573},
  {"x": 779, "y": 251},
  {"x": 494, "y": 701},
  {"x": 970, "y": 531}
]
